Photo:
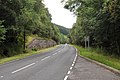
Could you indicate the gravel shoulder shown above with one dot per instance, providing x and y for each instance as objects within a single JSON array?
[{"x": 86, "y": 70}]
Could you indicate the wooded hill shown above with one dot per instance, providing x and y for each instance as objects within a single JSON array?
[
  {"x": 63, "y": 30},
  {"x": 62, "y": 34}
]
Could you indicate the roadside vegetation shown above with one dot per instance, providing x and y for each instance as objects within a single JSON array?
[
  {"x": 19, "y": 19},
  {"x": 98, "y": 19},
  {"x": 30, "y": 38},
  {"x": 24, "y": 55},
  {"x": 100, "y": 56}
]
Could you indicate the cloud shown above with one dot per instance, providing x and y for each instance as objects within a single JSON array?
[{"x": 60, "y": 15}]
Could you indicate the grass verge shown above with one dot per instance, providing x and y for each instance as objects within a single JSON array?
[
  {"x": 30, "y": 38},
  {"x": 20, "y": 56},
  {"x": 100, "y": 56}
]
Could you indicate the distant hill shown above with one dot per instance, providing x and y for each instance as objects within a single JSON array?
[{"x": 63, "y": 30}]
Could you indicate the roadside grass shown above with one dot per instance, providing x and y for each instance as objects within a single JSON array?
[
  {"x": 30, "y": 38},
  {"x": 100, "y": 56},
  {"x": 29, "y": 53}
]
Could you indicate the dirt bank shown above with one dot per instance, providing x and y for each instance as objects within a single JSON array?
[{"x": 40, "y": 43}]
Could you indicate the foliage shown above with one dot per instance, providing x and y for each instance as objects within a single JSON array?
[
  {"x": 100, "y": 56},
  {"x": 21, "y": 56},
  {"x": 63, "y": 30},
  {"x": 2, "y": 32},
  {"x": 58, "y": 36},
  {"x": 98, "y": 19},
  {"x": 21, "y": 18}
]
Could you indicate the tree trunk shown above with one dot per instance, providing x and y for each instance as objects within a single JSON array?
[{"x": 24, "y": 39}]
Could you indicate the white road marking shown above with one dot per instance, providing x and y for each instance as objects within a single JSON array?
[
  {"x": 45, "y": 58},
  {"x": 75, "y": 58},
  {"x": 23, "y": 68},
  {"x": 54, "y": 53},
  {"x": 73, "y": 62},
  {"x": 71, "y": 68},
  {"x": 76, "y": 55},
  {"x": 66, "y": 77},
  {"x": 1, "y": 76},
  {"x": 72, "y": 65},
  {"x": 68, "y": 72}
]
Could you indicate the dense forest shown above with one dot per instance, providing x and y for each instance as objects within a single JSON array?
[
  {"x": 99, "y": 19},
  {"x": 21, "y": 18}
]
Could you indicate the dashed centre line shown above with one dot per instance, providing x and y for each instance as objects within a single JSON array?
[
  {"x": 29, "y": 65},
  {"x": 23, "y": 68},
  {"x": 54, "y": 53},
  {"x": 45, "y": 58}
]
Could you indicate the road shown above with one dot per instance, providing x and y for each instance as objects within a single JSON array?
[
  {"x": 52, "y": 65},
  {"x": 87, "y": 70}
]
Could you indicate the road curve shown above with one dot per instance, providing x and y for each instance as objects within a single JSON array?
[
  {"x": 87, "y": 70},
  {"x": 52, "y": 65}
]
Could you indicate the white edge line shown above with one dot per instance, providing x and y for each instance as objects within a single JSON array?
[
  {"x": 68, "y": 72},
  {"x": 23, "y": 68},
  {"x": 75, "y": 59},
  {"x": 71, "y": 68},
  {"x": 1, "y": 76},
  {"x": 72, "y": 65},
  {"x": 66, "y": 77},
  {"x": 73, "y": 62}
]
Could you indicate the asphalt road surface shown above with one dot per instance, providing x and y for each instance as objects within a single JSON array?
[
  {"x": 86, "y": 70},
  {"x": 52, "y": 65}
]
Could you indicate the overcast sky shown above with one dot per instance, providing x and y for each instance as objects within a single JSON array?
[{"x": 60, "y": 15}]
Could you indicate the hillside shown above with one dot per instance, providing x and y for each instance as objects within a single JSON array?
[{"x": 63, "y": 30}]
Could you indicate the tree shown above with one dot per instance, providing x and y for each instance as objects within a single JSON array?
[
  {"x": 2, "y": 32},
  {"x": 98, "y": 19}
]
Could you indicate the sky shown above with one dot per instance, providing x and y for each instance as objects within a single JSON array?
[{"x": 60, "y": 15}]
